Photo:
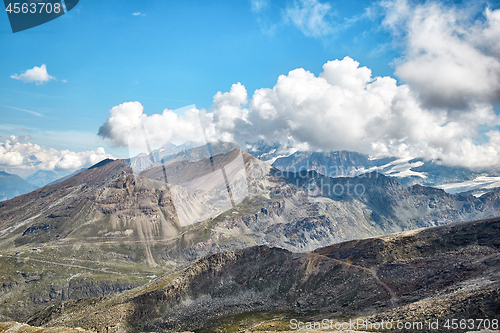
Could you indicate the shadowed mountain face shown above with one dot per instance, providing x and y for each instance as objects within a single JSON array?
[
  {"x": 458, "y": 276},
  {"x": 107, "y": 229}
]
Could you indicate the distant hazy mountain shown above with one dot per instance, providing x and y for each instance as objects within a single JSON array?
[
  {"x": 58, "y": 180},
  {"x": 335, "y": 164},
  {"x": 267, "y": 152},
  {"x": 421, "y": 171},
  {"x": 170, "y": 153},
  {"x": 331, "y": 164},
  {"x": 145, "y": 161},
  {"x": 405, "y": 171},
  {"x": 477, "y": 187},
  {"x": 198, "y": 153},
  {"x": 42, "y": 178},
  {"x": 13, "y": 185}
]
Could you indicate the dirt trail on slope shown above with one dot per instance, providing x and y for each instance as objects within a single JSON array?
[
  {"x": 373, "y": 272},
  {"x": 102, "y": 270}
]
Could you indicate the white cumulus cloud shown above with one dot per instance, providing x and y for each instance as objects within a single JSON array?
[
  {"x": 346, "y": 108},
  {"x": 343, "y": 108},
  {"x": 39, "y": 75},
  {"x": 123, "y": 119},
  {"x": 451, "y": 54},
  {"x": 129, "y": 126}
]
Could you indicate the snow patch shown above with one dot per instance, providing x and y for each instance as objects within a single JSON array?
[{"x": 481, "y": 182}]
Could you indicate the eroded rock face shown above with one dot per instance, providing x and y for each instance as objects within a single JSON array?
[{"x": 458, "y": 276}]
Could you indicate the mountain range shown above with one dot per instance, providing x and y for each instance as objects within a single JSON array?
[
  {"x": 407, "y": 171},
  {"x": 107, "y": 229},
  {"x": 110, "y": 228},
  {"x": 43, "y": 177}
]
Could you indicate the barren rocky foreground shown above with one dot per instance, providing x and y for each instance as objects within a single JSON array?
[{"x": 430, "y": 274}]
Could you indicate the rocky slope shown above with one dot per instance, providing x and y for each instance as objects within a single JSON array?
[{"x": 458, "y": 276}]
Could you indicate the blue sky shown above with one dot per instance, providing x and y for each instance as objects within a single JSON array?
[{"x": 176, "y": 53}]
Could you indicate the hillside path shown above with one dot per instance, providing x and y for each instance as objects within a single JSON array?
[{"x": 373, "y": 272}]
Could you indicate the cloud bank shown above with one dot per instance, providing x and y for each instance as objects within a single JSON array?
[
  {"x": 39, "y": 75},
  {"x": 18, "y": 155},
  {"x": 452, "y": 55}
]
